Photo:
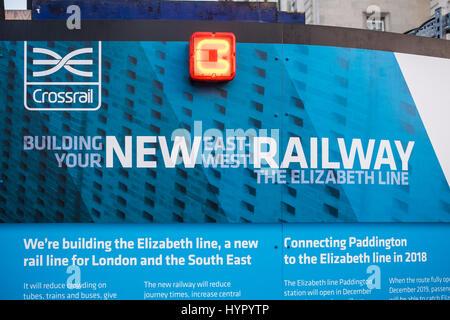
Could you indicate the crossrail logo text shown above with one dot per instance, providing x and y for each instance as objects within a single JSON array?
[{"x": 56, "y": 82}]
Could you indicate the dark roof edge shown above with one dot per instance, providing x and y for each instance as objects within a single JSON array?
[{"x": 247, "y": 32}]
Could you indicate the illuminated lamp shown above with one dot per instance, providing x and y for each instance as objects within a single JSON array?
[{"x": 212, "y": 56}]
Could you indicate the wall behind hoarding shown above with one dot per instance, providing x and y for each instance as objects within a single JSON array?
[{"x": 402, "y": 15}]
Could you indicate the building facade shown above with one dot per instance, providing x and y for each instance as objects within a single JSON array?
[
  {"x": 383, "y": 15},
  {"x": 436, "y": 4}
]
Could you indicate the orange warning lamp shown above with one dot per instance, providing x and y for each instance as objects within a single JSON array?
[{"x": 212, "y": 56}]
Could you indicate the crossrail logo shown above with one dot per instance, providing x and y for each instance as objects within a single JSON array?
[
  {"x": 60, "y": 62},
  {"x": 62, "y": 82}
]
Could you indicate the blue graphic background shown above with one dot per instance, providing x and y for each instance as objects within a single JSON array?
[{"x": 304, "y": 91}]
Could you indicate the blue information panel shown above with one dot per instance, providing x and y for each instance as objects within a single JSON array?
[
  {"x": 250, "y": 262},
  {"x": 316, "y": 173}
]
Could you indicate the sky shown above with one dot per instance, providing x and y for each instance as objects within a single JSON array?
[{"x": 15, "y": 4}]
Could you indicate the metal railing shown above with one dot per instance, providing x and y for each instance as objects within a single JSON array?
[{"x": 436, "y": 27}]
